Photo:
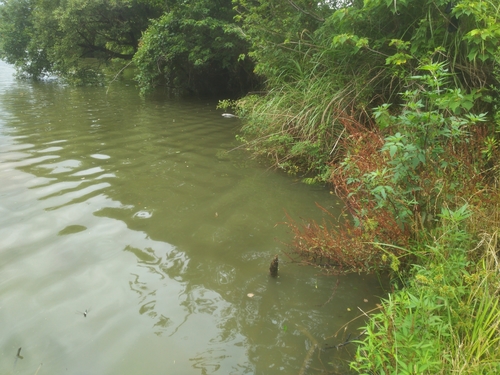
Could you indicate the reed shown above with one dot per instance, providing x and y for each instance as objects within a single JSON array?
[
  {"x": 475, "y": 341},
  {"x": 298, "y": 122}
]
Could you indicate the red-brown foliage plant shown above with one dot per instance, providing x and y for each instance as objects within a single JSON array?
[{"x": 346, "y": 247}]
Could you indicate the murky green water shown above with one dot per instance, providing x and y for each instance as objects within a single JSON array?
[{"x": 133, "y": 211}]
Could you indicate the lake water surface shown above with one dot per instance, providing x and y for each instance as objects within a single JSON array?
[{"x": 133, "y": 242}]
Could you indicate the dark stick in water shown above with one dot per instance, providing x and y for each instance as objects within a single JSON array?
[
  {"x": 18, "y": 356},
  {"x": 273, "y": 268}
]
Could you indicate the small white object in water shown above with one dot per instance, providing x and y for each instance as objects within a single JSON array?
[
  {"x": 250, "y": 295},
  {"x": 228, "y": 115},
  {"x": 143, "y": 214}
]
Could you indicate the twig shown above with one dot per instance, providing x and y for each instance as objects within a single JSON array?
[
  {"x": 117, "y": 74},
  {"x": 38, "y": 369},
  {"x": 352, "y": 320},
  {"x": 311, "y": 350},
  {"x": 321, "y": 19},
  {"x": 333, "y": 293},
  {"x": 253, "y": 141},
  {"x": 347, "y": 341},
  {"x": 336, "y": 143}
]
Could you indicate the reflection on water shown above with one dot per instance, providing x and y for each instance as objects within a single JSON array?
[{"x": 134, "y": 211}]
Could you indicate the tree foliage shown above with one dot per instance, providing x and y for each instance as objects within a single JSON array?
[
  {"x": 190, "y": 46},
  {"x": 276, "y": 30},
  {"x": 196, "y": 46},
  {"x": 55, "y": 37}
]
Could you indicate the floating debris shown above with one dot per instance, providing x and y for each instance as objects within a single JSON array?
[
  {"x": 225, "y": 274},
  {"x": 100, "y": 156},
  {"x": 229, "y": 115},
  {"x": 143, "y": 214},
  {"x": 250, "y": 295},
  {"x": 85, "y": 313}
]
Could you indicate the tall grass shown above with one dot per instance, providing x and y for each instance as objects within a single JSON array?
[
  {"x": 298, "y": 123},
  {"x": 475, "y": 341},
  {"x": 447, "y": 318}
]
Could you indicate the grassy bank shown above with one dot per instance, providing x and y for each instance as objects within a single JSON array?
[
  {"x": 395, "y": 106},
  {"x": 419, "y": 181}
]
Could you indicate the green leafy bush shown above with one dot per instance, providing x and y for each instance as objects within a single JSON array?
[{"x": 446, "y": 319}]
